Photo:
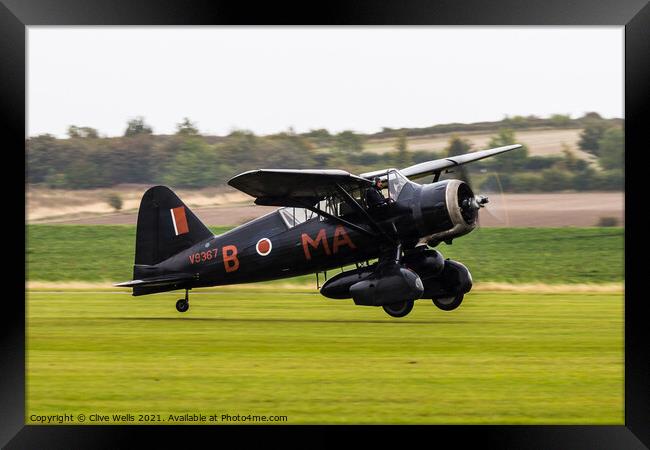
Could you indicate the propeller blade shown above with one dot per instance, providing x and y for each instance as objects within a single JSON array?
[{"x": 497, "y": 209}]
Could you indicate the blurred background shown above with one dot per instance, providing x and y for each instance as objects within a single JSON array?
[
  {"x": 570, "y": 173},
  {"x": 114, "y": 111}
]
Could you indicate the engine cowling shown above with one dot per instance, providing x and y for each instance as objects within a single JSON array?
[{"x": 447, "y": 209}]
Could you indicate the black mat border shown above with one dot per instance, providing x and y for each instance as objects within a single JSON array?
[{"x": 15, "y": 15}]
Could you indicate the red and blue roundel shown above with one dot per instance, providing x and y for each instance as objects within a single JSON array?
[{"x": 263, "y": 247}]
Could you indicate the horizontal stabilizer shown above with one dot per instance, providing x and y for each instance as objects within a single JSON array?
[{"x": 162, "y": 280}]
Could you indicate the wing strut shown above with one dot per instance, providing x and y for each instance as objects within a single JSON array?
[
  {"x": 347, "y": 198},
  {"x": 337, "y": 219}
]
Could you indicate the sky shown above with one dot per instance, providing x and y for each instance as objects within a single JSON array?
[{"x": 267, "y": 79}]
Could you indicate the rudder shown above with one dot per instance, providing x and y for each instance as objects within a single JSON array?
[{"x": 165, "y": 227}]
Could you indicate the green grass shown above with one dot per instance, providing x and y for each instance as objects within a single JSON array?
[
  {"x": 548, "y": 255},
  {"x": 501, "y": 358},
  {"x": 82, "y": 252},
  {"x": 511, "y": 358}
]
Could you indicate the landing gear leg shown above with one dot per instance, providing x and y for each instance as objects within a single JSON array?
[{"x": 183, "y": 304}]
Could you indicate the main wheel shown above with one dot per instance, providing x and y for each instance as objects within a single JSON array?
[
  {"x": 182, "y": 305},
  {"x": 399, "y": 309},
  {"x": 449, "y": 303}
]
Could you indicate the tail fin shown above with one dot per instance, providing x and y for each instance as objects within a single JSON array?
[{"x": 165, "y": 227}]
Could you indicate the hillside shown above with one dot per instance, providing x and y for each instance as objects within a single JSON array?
[{"x": 546, "y": 142}]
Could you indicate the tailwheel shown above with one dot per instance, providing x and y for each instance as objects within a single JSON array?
[
  {"x": 399, "y": 309},
  {"x": 449, "y": 303},
  {"x": 183, "y": 304}
]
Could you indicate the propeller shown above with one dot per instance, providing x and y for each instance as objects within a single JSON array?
[
  {"x": 491, "y": 201},
  {"x": 470, "y": 206},
  {"x": 498, "y": 210}
]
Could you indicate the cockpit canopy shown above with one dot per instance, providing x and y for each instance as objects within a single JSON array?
[
  {"x": 396, "y": 181},
  {"x": 293, "y": 216}
]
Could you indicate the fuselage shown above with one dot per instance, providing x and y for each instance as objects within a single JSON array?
[
  {"x": 266, "y": 249},
  {"x": 286, "y": 243}
]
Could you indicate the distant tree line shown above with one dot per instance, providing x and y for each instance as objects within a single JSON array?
[
  {"x": 511, "y": 122},
  {"x": 556, "y": 173},
  {"x": 189, "y": 159}
]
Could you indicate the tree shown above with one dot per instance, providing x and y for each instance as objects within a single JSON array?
[
  {"x": 612, "y": 149},
  {"x": 73, "y": 131},
  {"x": 291, "y": 151},
  {"x": 515, "y": 160},
  {"x": 43, "y": 154},
  {"x": 526, "y": 182},
  {"x": 456, "y": 147},
  {"x": 561, "y": 120},
  {"x": 348, "y": 142},
  {"x": 129, "y": 159},
  {"x": 515, "y": 121},
  {"x": 591, "y": 134},
  {"x": 82, "y": 132},
  {"x": 505, "y": 136},
  {"x": 401, "y": 146},
  {"x": 186, "y": 128},
  {"x": 241, "y": 149},
  {"x": 56, "y": 181},
  {"x": 570, "y": 161},
  {"x": 569, "y": 157},
  {"x": 585, "y": 180},
  {"x": 320, "y": 137},
  {"x": 592, "y": 116},
  {"x": 194, "y": 165},
  {"x": 137, "y": 126},
  {"x": 115, "y": 201},
  {"x": 83, "y": 174},
  {"x": 556, "y": 180}
]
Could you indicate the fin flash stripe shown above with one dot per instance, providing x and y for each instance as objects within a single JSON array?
[{"x": 179, "y": 220}]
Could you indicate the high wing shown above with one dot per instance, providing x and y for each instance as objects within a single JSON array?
[
  {"x": 294, "y": 187},
  {"x": 438, "y": 165},
  {"x": 289, "y": 187}
]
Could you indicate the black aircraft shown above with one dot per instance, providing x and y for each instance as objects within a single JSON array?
[{"x": 325, "y": 222}]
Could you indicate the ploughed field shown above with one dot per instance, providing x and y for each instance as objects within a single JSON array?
[
  {"x": 549, "y": 353},
  {"x": 550, "y": 209}
]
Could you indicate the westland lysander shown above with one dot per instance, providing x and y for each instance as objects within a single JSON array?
[{"x": 327, "y": 219}]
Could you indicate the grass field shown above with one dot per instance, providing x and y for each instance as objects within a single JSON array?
[
  {"x": 516, "y": 255},
  {"x": 536, "y": 356},
  {"x": 501, "y": 358}
]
